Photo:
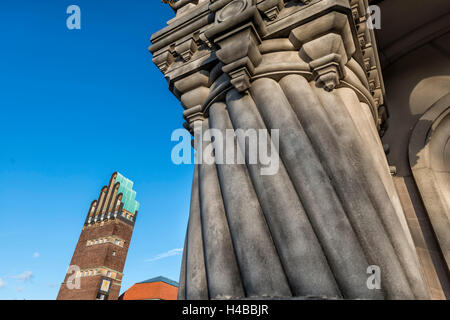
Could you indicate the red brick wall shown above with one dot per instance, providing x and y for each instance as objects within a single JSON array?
[{"x": 98, "y": 255}]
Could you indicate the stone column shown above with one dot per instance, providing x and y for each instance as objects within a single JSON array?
[{"x": 314, "y": 226}]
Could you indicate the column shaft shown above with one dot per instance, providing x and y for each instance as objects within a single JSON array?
[
  {"x": 366, "y": 169},
  {"x": 300, "y": 253},
  {"x": 196, "y": 284},
  {"x": 340, "y": 168},
  {"x": 314, "y": 188},
  {"x": 258, "y": 260},
  {"x": 223, "y": 275}
]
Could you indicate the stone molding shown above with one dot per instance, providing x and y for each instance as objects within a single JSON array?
[
  {"x": 327, "y": 34},
  {"x": 428, "y": 145}
]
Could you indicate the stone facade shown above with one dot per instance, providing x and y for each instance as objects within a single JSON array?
[
  {"x": 415, "y": 56},
  {"x": 311, "y": 70}
]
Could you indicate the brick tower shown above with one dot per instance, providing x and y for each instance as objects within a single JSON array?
[{"x": 95, "y": 271}]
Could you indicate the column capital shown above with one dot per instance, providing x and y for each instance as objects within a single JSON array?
[{"x": 243, "y": 40}]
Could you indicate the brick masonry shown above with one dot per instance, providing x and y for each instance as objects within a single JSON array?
[
  {"x": 99, "y": 255},
  {"x": 95, "y": 259}
]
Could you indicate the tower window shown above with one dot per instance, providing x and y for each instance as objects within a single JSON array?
[
  {"x": 105, "y": 285},
  {"x": 114, "y": 253}
]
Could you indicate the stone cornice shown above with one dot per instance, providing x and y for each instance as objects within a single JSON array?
[{"x": 240, "y": 35}]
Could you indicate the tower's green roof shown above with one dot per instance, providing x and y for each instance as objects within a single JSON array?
[{"x": 129, "y": 195}]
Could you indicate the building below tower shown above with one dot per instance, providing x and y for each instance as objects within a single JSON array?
[
  {"x": 96, "y": 268},
  {"x": 159, "y": 288}
]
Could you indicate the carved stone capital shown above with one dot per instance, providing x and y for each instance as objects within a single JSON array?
[
  {"x": 271, "y": 8},
  {"x": 244, "y": 40},
  {"x": 193, "y": 89},
  {"x": 327, "y": 44},
  {"x": 327, "y": 58},
  {"x": 240, "y": 55},
  {"x": 191, "y": 115},
  {"x": 163, "y": 60},
  {"x": 186, "y": 49},
  {"x": 332, "y": 22},
  {"x": 231, "y": 15}
]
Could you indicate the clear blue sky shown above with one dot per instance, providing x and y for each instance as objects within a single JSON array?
[{"x": 76, "y": 106}]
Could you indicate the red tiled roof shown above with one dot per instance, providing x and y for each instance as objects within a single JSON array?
[{"x": 150, "y": 290}]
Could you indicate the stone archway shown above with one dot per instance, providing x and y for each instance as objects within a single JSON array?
[{"x": 429, "y": 158}]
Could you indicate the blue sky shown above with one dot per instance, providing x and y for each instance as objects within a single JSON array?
[{"x": 78, "y": 105}]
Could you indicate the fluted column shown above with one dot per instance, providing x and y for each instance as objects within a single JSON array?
[
  {"x": 336, "y": 235},
  {"x": 261, "y": 270},
  {"x": 366, "y": 170},
  {"x": 340, "y": 165},
  {"x": 195, "y": 282},
  {"x": 300, "y": 253},
  {"x": 327, "y": 212},
  {"x": 224, "y": 280}
]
